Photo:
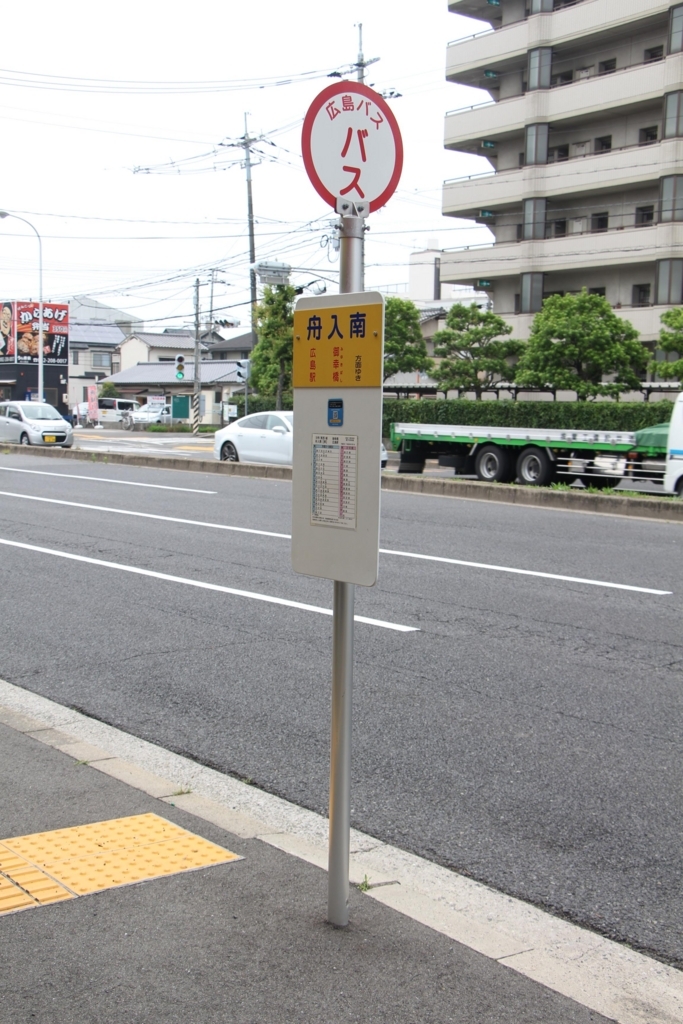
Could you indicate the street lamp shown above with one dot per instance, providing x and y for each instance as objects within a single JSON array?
[{"x": 3, "y": 214}]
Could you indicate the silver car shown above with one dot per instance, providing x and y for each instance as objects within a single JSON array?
[{"x": 34, "y": 423}]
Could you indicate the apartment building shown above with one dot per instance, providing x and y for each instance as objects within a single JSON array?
[{"x": 584, "y": 133}]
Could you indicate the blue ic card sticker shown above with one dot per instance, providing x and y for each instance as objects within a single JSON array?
[{"x": 335, "y": 412}]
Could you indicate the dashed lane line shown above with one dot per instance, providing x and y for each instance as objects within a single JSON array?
[
  {"x": 103, "y": 480},
  {"x": 384, "y": 551},
  {"x": 250, "y": 595}
]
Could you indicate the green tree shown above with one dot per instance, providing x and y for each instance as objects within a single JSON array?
[
  {"x": 575, "y": 341},
  {"x": 109, "y": 390},
  {"x": 670, "y": 341},
  {"x": 405, "y": 350},
  {"x": 271, "y": 360},
  {"x": 475, "y": 350}
]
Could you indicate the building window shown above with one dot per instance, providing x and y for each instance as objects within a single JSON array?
[
  {"x": 640, "y": 294},
  {"x": 603, "y": 144},
  {"x": 648, "y": 135},
  {"x": 599, "y": 222},
  {"x": 562, "y": 78},
  {"x": 558, "y": 153},
  {"x": 74, "y": 357},
  {"x": 654, "y": 53},
  {"x": 534, "y": 219},
  {"x": 669, "y": 287},
  {"x": 597, "y": 291},
  {"x": 85, "y": 394},
  {"x": 671, "y": 198},
  {"x": 607, "y": 67},
  {"x": 644, "y": 215},
  {"x": 676, "y": 30},
  {"x": 557, "y": 228},
  {"x": 531, "y": 297},
  {"x": 218, "y": 397},
  {"x": 540, "y": 60},
  {"x": 541, "y": 6},
  {"x": 536, "y": 144},
  {"x": 673, "y": 115},
  {"x": 102, "y": 359}
]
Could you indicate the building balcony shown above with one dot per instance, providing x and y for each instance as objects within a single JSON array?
[
  {"x": 645, "y": 319},
  {"x": 614, "y": 171},
  {"x": 587, "y": 99},
  {"x": 620, "y": 247},
  {"x": 466, "y": 58}
]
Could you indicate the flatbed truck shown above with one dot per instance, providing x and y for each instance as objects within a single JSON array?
[{"x": 539, "y": 457}]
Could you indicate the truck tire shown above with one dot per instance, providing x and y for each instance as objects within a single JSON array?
[
  {"x": 679, "y": 488},
  {"x": 492, "y": 464},
  {"x": 411, "y": 462},
  {"x": 535, "y": 468}
]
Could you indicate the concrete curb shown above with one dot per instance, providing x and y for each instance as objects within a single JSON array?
[
  {"x": 540, "y": 497},
  {"x": 510, "y": 494},
  {"x": 154, "y": 461}
]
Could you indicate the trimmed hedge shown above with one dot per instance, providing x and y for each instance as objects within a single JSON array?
[
  {"x": 258, "y": 403},
  {"x": 629, "y": 416}
]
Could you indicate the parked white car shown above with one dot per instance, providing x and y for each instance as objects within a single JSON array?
[
  {"x": 144, "y": 414},
  {"x": 262, "y": 437},
  {"x": 34, "y": 423}
]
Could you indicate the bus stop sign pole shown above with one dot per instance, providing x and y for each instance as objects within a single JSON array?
[{"x": 350, "y": 280}]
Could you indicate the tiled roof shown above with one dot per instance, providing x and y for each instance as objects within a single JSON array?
[
  {"x": 212, "y": 371},
  {"x": 183, "y": 341}
]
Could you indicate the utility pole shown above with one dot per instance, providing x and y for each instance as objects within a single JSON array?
[
  {"x": 196, "y": 397},
  {"x": 250, "y": 217}
]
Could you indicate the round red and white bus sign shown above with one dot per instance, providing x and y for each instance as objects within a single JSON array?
[{"x": 352, "y": 146}]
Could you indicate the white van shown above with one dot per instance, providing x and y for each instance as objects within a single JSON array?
[
  {"x": 673, "y": 476},
  {"x": 111, "y": 409}
]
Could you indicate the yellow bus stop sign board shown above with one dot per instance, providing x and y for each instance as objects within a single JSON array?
[{"x": 339, "y": 346}]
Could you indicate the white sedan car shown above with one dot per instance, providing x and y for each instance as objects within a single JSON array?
[{"x": 262, "y": 437}]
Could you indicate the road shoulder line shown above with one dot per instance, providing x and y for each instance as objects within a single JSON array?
[{"x": 611, "y": 979}]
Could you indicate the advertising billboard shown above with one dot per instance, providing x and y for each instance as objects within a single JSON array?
[
  {"x": 55, "y": 340},
  {"x": 7, "y": 333}
]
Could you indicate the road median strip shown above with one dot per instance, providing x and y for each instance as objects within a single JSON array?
[{"x": 654, "y": 507}]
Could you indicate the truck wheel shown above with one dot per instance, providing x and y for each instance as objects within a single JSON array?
[
  {"x": 535, "y": 468},
  {"x": 492, "y": 464},
  {"x": 411, "y": 462},
  {"x": 679, "y": 488}
]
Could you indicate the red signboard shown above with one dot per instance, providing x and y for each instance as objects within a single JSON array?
[{"x": 55, "y": 340}]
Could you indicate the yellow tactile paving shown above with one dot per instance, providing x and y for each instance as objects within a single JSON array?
[{"x": 50, "y": 866}]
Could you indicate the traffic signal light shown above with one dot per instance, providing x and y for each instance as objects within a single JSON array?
[
  {"x": 243, "y": 369},
  {"x": 180, "y": 367}
]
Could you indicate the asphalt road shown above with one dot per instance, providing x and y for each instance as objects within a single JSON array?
[{"x": 528, "y": 733}]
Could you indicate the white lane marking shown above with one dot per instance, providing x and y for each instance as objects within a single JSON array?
[
  {"x": 143, "y": 515},
  {"x": 204, "y": 586},
  {"x": 103, "y": 480},
  {"x": 527, "y": 572},
  {"x": 383, "y": 551}
]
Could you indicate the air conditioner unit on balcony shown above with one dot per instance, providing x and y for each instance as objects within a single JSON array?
[{"x": 578, "y": 225}]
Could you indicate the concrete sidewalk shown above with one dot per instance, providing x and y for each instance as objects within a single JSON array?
[{"x": 240, "y": 942}]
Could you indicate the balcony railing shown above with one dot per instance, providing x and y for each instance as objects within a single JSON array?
[
  {"x": 558, "y": 85},
  {"x": 552, "y": 163}
]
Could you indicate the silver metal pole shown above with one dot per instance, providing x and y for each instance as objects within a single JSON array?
[
  {"x": 197, "y": 390},
  {"x": 41, "y": 354},
  {"x": 350, "y": 280}
]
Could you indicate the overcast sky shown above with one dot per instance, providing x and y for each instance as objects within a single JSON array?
[{"x": 138, "y": 240}]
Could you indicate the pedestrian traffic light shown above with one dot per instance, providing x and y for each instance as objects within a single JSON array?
[
  {"x": 180, "y": 367},
  {"x": 243, "y": 369}
]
